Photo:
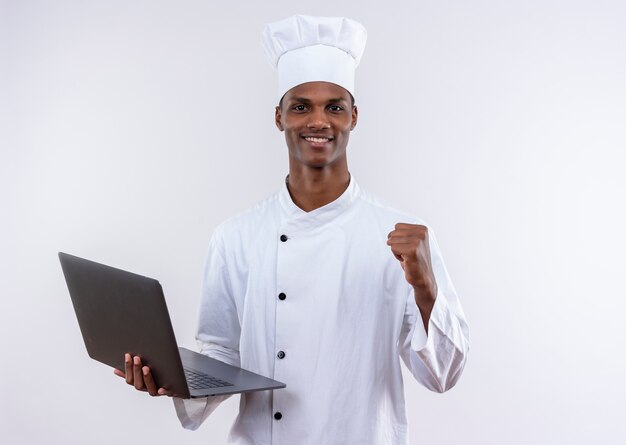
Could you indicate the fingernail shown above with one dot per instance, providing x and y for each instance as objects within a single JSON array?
[{"x": 145, "y": 370}]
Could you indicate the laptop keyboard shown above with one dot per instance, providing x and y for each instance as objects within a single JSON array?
[{"x": 198, "y": 380}]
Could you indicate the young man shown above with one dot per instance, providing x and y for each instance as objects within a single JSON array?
[{"x": 320, "y": 286}]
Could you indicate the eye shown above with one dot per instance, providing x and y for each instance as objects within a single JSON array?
[
  {"x": 299, "y": 108},
  {"x": 335, "y": 108}
]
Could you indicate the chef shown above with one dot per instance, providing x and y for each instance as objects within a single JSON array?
[{"x": 321, "y": 286}]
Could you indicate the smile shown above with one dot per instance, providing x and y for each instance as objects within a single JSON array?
[{"x": 317, "y": 140}]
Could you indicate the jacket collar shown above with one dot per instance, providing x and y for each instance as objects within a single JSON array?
[{"x": 295, "y": 217}]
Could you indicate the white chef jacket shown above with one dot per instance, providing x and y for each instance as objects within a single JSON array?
[{"x": 323, "y": 291}]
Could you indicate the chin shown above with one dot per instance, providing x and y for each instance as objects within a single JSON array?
[
  {"x": 316, "y": 160},
  {"x": 321, "y": 163}
]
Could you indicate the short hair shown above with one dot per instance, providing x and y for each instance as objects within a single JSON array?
[{"x": 280, "y": 103}]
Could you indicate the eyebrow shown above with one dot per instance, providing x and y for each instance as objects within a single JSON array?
[
  {"x": 308, "y": 101},
  {"x": 339, "y": 99}
]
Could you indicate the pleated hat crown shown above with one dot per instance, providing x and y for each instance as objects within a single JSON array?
[{"x": 309, "y": 49}]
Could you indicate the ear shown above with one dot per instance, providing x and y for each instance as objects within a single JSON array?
[
  {"x": 355, "y": 117},
  {"x": 278, "y": 118}
]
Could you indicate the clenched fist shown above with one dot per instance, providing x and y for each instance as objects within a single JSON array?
[{"x": 409, "y": 244}]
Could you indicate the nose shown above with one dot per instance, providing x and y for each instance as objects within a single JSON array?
[{"x": 318, "y": 120}]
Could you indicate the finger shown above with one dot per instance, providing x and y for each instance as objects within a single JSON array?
[
  {"x": 407, "y": 246},
  {"x": 400, "y": 226},
  {"x": 137, "y": 374},
  {"x": 420, "y": 234},
  {"x": 128, "y": 366},
  {"x": 398, "y": 252},
  {"x": 165, "y": 392},
  {"x": 119, "y": 373},
  {"x": 149, "y": 381},
  {"x": 398, "y": 233},
  {"x": 402, "y": 240},
  {"x": 410, "y": 232},
  {"x": 408, "y": 251},
  {"x": 411, "y": 227}
]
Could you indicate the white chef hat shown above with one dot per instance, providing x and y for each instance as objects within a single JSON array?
[{"x": 308, "y": 49}]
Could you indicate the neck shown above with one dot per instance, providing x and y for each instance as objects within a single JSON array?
[{"x": 311, "y": 189}]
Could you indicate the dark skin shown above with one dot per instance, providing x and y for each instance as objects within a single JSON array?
[
  {"x": 140, "y": 377},
  {"x": 317, "y": 118},
  {"x": 307, "y": 114}
]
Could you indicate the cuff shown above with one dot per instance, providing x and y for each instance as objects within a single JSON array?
[
  {"x": 420, "y": 340},
  {"x": 192, "y": 412}
]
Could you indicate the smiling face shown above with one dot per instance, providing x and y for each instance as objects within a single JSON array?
[{"x": 317, "y": 118}]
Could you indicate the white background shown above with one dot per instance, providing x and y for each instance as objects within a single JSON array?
[{"x": 129, "y": 129}]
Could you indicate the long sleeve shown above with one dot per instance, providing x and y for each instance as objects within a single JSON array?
[
  {"x": 218, "y": 331},
  {"x": 436, "y": 360}
]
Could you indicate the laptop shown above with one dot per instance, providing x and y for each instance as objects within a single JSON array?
[{"x": 121, "y": 312}]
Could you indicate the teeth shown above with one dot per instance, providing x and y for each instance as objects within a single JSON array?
[{"x": 310, "y": 139}]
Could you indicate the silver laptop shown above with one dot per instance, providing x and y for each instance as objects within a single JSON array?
[{"x": 121, "y": 312}]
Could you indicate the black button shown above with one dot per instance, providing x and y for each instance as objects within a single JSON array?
[
  {"x": 282, "y": 296},
  {"x": 278, "y": 416},
  {"x": 281, "y": 354},
  {"x": 284, "y": 238}
]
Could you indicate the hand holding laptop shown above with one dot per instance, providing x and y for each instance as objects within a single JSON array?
[{"x": 140, "y": 377}]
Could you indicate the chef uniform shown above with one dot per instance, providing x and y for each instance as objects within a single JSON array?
[{"x": 317, "y": 300}]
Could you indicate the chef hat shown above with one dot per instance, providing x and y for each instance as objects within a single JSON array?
[{"x": 308, "y": 49}]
